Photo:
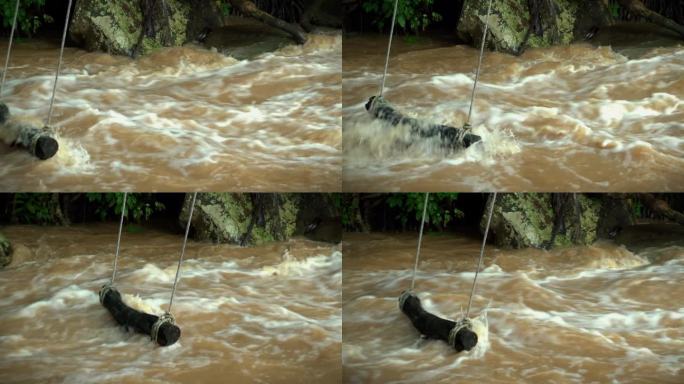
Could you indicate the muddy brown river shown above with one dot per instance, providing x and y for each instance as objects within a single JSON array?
[
  {"x": 599, "y": 313},
  {"x": 180, "y": 119},
  {"x": 567, "y": 118},
  {"x": 248, "y": 315}
]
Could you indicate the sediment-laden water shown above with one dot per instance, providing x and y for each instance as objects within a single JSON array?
[
  {"x": 567, "y": 118},
  {"x": 247, "y": 315},
  {"x": 180, "y": 118},
  {"x": 577, "y": 315}
]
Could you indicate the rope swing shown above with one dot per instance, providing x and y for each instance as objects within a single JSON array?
[
  {"x": 162, "y": 329},
  {"x": 451, "y": 138},
  {"x": 40, "y": 142},
  {"x": 458, "y": 334}
]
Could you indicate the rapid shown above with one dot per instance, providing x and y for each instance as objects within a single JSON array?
[
  {"x": 266, "y": 314},
  {"x": 599, "y": 313}
]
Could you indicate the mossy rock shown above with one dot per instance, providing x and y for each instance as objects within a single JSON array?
[
  {"x": 509, "y": 23},
  {"x": 226, "y": 217},
  {"x": 115, "y": 26},
  {"x": 522, "y": 220},
  {"x": 5, "y": 251}
]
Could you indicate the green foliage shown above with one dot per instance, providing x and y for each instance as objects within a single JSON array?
[
  {"x": 225, "y": 8},
  {"x": 413, "y": 16},
  {"x": 139, "y": 206},
  {"x": 440, "y": 209},
  {"x": 30, "y": 16},
  {"x": 614, "y": 9},
  {"x": 348, "y": 207},
  {"x": 38, "y": 208},
  {"x": 637, "y": 209}
]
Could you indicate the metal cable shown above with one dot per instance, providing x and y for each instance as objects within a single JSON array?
[
  {"x": 479, "y": 64},
  {"x": 9, "y": 49},
  {"x": 420, "y": 241},
  {"x": 389, "y": 48},
  {"x": 185, "y": 241},
  {"x": 118, "y": 241},
  {"x": 59, "y": 65},
  {"x": 479, "y": 263}
]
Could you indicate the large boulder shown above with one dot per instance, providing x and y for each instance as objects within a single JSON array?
[
  {"x": 616, "y": 215},
  {"x": 5, "y": 251},
  {"x": 244, "y": 219},
  {"x": 510, "y": 20},
  {"x": 319, "y": 217},
  {"x": 115, "y": 26},
  {"x": 522, "y": 220}
]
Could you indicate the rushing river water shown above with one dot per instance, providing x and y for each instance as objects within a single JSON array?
[
  {"x": 180, "y": 118},
  {"x": 577, "y": 315},
  {"x": 248, "y": 315},
  {"x": 567, "y": 118}
]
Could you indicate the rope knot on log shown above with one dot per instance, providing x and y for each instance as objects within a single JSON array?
[{"x": 166, "y": 318}]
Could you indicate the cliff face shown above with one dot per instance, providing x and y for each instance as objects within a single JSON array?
[
  {"x": 123, "y": 27},
  {"x": 544, "y": 220},
  {"x": 515, "y": 24}
]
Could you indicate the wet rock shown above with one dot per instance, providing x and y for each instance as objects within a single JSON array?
[
  {"x": 641, "y": 237},
  {"x": 319, "y": 218},
  {"x": 328, "y": 230},
  {"x": 615, "y": 216},
  {"x": 512, "y": 26},
  {"x": 245, "y": 219},
  {"x": 245, "y": 39},
  {"x": 205, "y": 17},
  {"x": 522, "y": 220},
  {"x": 326, "y": 13},
  {"x": 5, "y": 251},
  {"x": 115, "y": 26}
]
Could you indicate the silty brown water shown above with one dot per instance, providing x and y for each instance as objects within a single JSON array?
[
  {"x": 567, "y": 118},
  {"x": 248, "y": 315},
  {"x": 599, "y": 313},
  {"x": 180, "y": 117}
]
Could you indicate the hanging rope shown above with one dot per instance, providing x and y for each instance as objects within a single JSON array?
[
  {"x": 9, "y": 49},
  {"x": 420, "y": 241},
  {"x": 59, "y": 65},
  {"x": 185, "y": 241},
  {"x": 389, "y": 47},
  {"x": 479, "y": 65},
  {"x": 479, "y": 263},
  {"x": 118, "y": 240}
]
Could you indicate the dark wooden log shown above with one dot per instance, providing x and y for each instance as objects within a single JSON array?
[
  {"x": 39, "y": 142},
  {"x": 140, "y": 322},
  {"x": 433, "y": 327},
  {"x": 248, "y": 8},
  {"x": 637, "y": 8},
  {"x": 449, "y": 136}
]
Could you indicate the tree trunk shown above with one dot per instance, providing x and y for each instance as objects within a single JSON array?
[
  {"x": 248, "y": 8},
  {"x": 58, "y": 214},
  {"x": 637, "y": 8},
  {"x": 662, "y": 208}
]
